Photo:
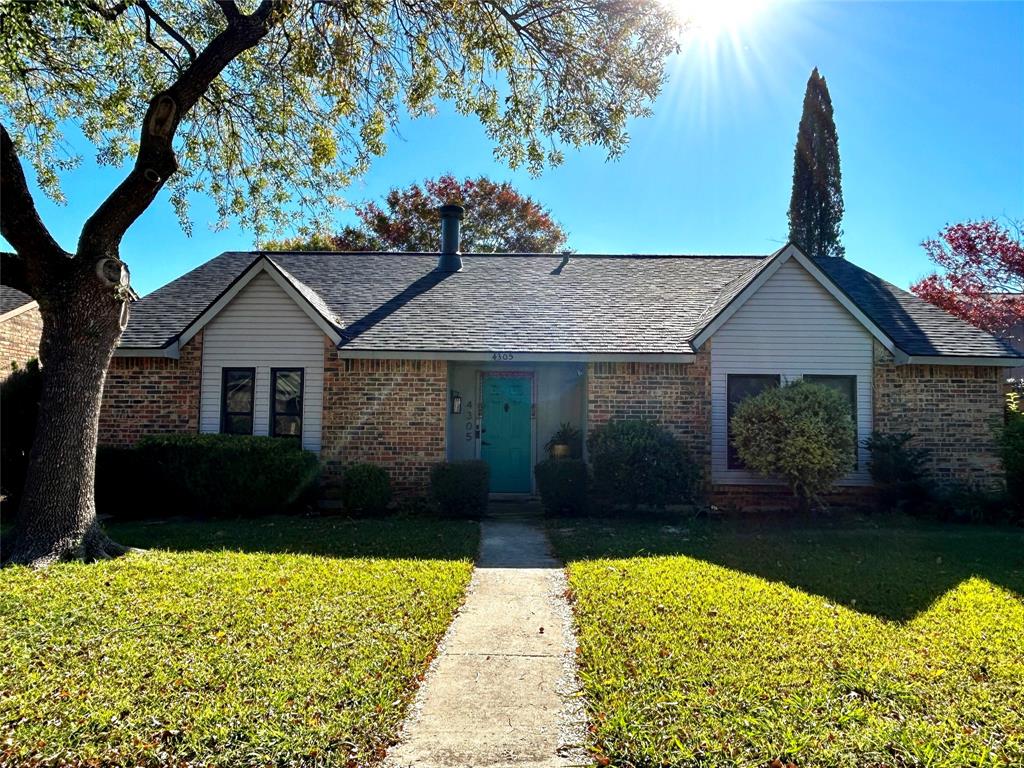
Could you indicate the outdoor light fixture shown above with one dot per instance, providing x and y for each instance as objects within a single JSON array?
[{"x": 456, "y": 402}]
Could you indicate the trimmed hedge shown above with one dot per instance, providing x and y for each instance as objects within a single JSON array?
[
  {"x": 365, "y": 489},
  {"x": 640, "y": 463},
  {"x": 460, "y": 488},
  {"x": 205, "y": 476},
  {"x": 562, "y": 484}
]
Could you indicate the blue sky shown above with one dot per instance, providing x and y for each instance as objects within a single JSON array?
[{"x": 929, "y": 105}]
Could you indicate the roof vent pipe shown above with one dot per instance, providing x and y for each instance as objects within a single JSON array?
[{"x": 451, "y": 224}]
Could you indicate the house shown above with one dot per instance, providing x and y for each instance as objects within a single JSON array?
[
  {"x": 407, "y": 359},
  {"x": 21, "y": 325}
]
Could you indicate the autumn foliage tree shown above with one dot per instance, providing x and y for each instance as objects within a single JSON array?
[
  {"x": 269, "y": 107},
  {"x": 498, "y": 220},
  {"x": 982, "y": 278}
]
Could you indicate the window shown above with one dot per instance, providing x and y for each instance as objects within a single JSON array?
[
  {"x": 236, "y": 395},
  {"x": 286, "y": 402},
  {"x": 844, "y": 385},
  {"x": 740, "y": 387}
]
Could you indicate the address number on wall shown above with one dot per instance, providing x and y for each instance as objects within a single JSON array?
[{"x": 503, "y": 356}]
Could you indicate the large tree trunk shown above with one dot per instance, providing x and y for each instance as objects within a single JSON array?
[{"x": 57, "y": 518}]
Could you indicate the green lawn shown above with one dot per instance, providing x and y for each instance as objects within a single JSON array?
[
  {"x": 868, "y": 643},
  {"x": 279, "y": 641}
]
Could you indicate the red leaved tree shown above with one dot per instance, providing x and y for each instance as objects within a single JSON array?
[
  {"x": 983, "y": 274},
  {"x": 499, "y": 219}
]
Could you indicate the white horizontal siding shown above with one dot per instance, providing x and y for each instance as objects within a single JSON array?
[
  {"x": 263, "y": 328},
  {"x": 792, "y": 327}
]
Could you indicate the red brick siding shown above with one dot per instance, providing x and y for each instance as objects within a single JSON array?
[
  {"x": 387, "y": 412},
  {"x": 952, "y": 410},
  {"x": 151, "y": 395},
  {"x": 19, "y": 340},
  {"x": 676, "y": 395}
]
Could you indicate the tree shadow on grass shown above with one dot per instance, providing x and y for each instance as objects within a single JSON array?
[
  {"x": 891, "y": 568},
  {"x": 388, "y": 538}
]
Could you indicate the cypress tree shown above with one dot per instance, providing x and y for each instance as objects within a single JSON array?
[{"x": 816, "y": 206}]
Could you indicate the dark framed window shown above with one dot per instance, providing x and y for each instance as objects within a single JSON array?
[
  {"x": 237, "y": 393},
  {"x": 286, "y": 402},
  {"x": 844, "y": 385},
  {"x": 740, "y": 386}
]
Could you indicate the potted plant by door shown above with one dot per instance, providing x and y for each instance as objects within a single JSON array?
[{"x": 565, "y": 443}]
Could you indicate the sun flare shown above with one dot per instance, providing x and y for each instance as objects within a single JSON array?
[{"x": 710, "y": 19}]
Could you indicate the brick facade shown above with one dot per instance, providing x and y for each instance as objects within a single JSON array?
[
  {"x": 676, "y": 395},
  {"x": 386, "y": 412},
  {"x": 152, "y": 395},
  {"x": 952, "y": 410},
  {"x": 19, "y": 340}
]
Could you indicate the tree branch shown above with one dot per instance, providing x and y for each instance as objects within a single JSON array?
[
  {"x": 21, "y": 225},
  {"x": 108, "y": 13},
  {"x": 14, "y": 272},
  {"x": 155, "y": 160},
  {"x": 175, "y": 34}
]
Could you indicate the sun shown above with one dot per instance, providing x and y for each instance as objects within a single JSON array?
[{"x": 711, "y": 19}]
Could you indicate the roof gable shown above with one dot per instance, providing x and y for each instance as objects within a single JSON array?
[
  {"x": 736, "y": 297},
  {"x": 303, "y": 296}
]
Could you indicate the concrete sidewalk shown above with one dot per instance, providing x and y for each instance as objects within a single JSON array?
[{"x": 502, "y": 690}]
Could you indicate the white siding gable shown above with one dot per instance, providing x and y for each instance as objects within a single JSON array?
[
  {"x": 792, "y": 326},
  {"x": 263, "y": 328}
]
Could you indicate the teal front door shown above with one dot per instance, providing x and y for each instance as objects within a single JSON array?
[{"x": 505, "y": 432}]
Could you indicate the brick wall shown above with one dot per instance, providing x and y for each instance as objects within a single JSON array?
[
  {"x": 386, "y": 412},
  {"x": 151, "y": 395},
  {"x": 19, "y": 340},
  {"x": 951, "y": 409},
  {"x": 676, "y": 395}
]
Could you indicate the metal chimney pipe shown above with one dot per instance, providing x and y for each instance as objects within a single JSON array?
[{"x": 451, "y": 224}]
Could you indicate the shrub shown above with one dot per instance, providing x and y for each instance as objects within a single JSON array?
[
  {"x": 1011, "y": 450},
  {"x": 898, "y": 469},
  {"x": 802, "y": 433},
  {"x": 365, "y": 489},
  {"x": 208, "y": 476},
  {"x": 640, "y": 462},
  {"x": 19, "y": 405},
  {"x": 460, "y": 488},
  {"x": 562, "y": 484}
]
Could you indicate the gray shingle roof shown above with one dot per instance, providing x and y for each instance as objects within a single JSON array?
[
  {"x": 914, "y": 325},
  {"x": 538, "y": 303},
  {"x": 12, "y": 298}
]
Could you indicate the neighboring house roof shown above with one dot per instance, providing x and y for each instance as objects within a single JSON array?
[
  {"x": 12, "y": 298},
  {"x": 545, "y": 304}
]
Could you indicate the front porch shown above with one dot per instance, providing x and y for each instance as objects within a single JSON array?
[{"x": 505, "y": 412}]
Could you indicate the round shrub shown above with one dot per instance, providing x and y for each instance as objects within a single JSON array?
[
  {"x": 365, "y": 489},
  {"x": 461, "y": 488},
  {"x": 802, "y": 433},
  {"x": 562, "y": 484},
  {"x": 640, "y": 463}
]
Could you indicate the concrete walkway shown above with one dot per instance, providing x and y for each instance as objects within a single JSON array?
[{"x": 502, "y": 690}]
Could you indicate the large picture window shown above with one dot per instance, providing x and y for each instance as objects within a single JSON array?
[
  {"x": 286, "y": 402},
  {"x": 844, "y": 385},
  {"x": 740, "y": 387},
  {"x": 237, "y": 394}
]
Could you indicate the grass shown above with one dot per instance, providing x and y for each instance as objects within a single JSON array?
[
  {"x": 714, "y": 643},
  {"x": 279, "y": 641}
]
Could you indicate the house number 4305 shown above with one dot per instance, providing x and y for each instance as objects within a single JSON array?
[{"x": 502, "y": 356}]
